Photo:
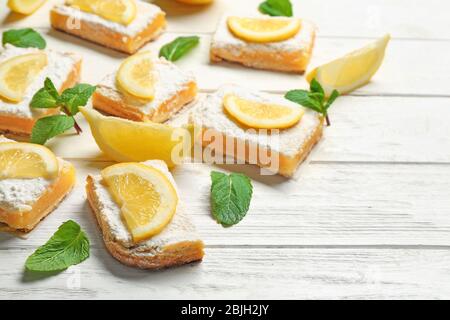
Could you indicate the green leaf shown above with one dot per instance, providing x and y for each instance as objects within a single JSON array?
[
  {"x": 49, "y": 127},
  {"x": 179, "y": 47},
  {"x": 334, "y": 95},
  {"x": 230, "y": 197},
  {"x": 47, "y": 97},
  {"x": 305, "y": 99},
  {"x": 77, "y": 96},
  {"x": 24, "y": 38},
  {"x": 316, "y": 87},
  {"x": 276, "y": 8},
  {"x": 67, "y": 247}
]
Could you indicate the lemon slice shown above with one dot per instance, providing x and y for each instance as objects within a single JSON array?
[
  {"x": 148, "y": 200},
  {"x": 260, "y": 115},
  {"x": 120, "y": 11},
  {"x": 26, "y": 161},
  {"x": 352, "y": 70},
  {"x": 264, "y": 29},
  {"x": 25, "y": 6},
  {"x": 124, "y": 140},
  {"x": 135, "y": 75},
  {"x": 17, "y": 73}
]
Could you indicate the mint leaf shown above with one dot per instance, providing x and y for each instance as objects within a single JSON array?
[
  {"x": 304, "y": 98},
  {"x": 67, "y": 247},
  {"x": 314, "y": 99},
  {"x": 47, "y": 97},
  {"x": 24, "y": 38},
  {"x": 77, "y": 96},
  {"x": 179, "y": 47},
  {"x": 230, "y": 197},
  {"x": 276, "y": 8},
  {"x": 334, "y": 95},
  {"x": 49, "y": 127},
  {"x": 316, "y": 87}
]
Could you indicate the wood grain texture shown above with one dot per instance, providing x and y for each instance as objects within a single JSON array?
[
  {"x": 327, "y": 204},
  {"x": 409, "y": 19},
  {"x": 366, "y": 217},
  {"x": 428, "y": 76},
  {"x": 246, "y": 273}
]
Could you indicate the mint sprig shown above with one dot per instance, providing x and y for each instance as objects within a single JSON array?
[
  {"x": 179, "y": 47},
  {"x": 24, "y": 38},
  {"x": 314, "y": 99},
  {"x": 230, "y": 197},
  {"x": 276, "y": 8},
  {"x": 68, "y": 102},
  {"x": 67, "y": 247}
]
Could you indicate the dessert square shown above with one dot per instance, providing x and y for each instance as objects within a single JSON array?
[
  {"x": 25, "y": 202},
  {"x": 291, "y": 55},
  {"x": 177, "y": 244},
  {"x": 148, "y": 25},
  {"x": 174, "y": 88},
  {"x": 17, "y": 119},
  {"x": 285, "y": 148}
]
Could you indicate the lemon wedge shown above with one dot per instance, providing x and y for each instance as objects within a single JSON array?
[
  {"x": 264, "y": 29},
  {"x": 124, "y": 140},
  {"x": 135, "y": 75},
  {"x": 25, "y": 6},
  {"x": 26, "y": 161},
  {"x": 147, "y": 198},
  {"x": 352, "y": 70},
  {"x": 260, "y": 115},
  {"x": 17, "y": 73},
  {"x": 120, "y": 11}
]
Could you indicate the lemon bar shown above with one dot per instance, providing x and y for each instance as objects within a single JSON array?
[
  {"x": 291, "y": 55},
  {"x": 177, "y": 244},
  {"x": 148, "y": 24},
  {"x": 18, "y": 119},
  {"x": 285, "y": 148},
  {"x": 25, "y": 202},
  {"x": 173, "y": 89}
]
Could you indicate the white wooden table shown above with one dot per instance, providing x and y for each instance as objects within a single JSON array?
[{"x": 367, "y": 217}]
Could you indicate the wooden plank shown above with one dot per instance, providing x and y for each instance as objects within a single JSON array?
[
  {"x": 244, "y": 273},
  {"x": 327, "y": 204},
  {"x": 365, "y": 129},
  {"x": 349, "y": 17},
  {"x": 401, "y": 72}
]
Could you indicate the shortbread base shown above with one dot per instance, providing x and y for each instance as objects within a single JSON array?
[
  {"x": 269, "y": 56},
  {"x": 162, "y": 113},
  {"x": 20, "y": 129},
  {"x": 175, "y": 254},
  {"x": 109, "y": 38},
  {"x": 27, "y": 221},
  {"x": 287, "y": 165}
]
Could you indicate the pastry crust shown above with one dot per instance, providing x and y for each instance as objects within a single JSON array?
[
  {"x": 280, "y": 151},
  {"x": 171, "y": 255},
  {"x": 49, "y": 201},
  {"x": 288, "y": 56},
  {"x": 287, "y": 164},
  {"x": 117, "y": 104},
  {"x": 295, "y": 62},
  {"x": 19, "y": 128},
  {"x": 107, "y": 37}
]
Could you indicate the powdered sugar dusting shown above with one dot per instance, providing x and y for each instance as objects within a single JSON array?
[
  {"x": 58, "y": 69},
  {"x": 146, "y": 13},
  {"x": 178, "y": 230},
  {"x": 210, "y": 114},
  {"x": 225, "y": 39},
  {"x": 18, "y": 195},
  {"x": 169, "y": 80}
]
